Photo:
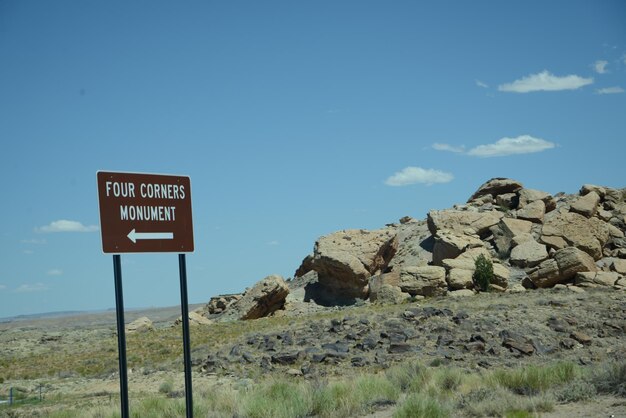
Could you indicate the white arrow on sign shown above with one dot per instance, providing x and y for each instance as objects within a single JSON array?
[{"x": 134, "y": 236}]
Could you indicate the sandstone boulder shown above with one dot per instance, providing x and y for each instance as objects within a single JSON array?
[
  {"x": 195, "y": 318},
  {"x": 563, "y": 267},
  {"x": 143, "y": 324},
  {"x": 264, "y": 298},
  {"x": 415, "y": 246},
  {"x": 533, "y": 212},
  {"x": 460, "y": 279},
  {"x": 496, "y": 186},
  {"x": 501, "y": 275},
  {"x": 345, "y": 260},
  {"x": 423, "y": 280},
  {"x": 588, "y": 188},
  {"x": 218, "y": 304},
  {"x": 572, "y": 229},
  {"x": 586, "y": 205},
  {"x": 451, "y": 245},
  {"x": 507, "y": 200},
  {"x": 384, "y": 288},
  {"x": 619, "y": 266},
  {"x": 614, "y": 197},
  {"x": 527, "y": 196},
  {"x": 461, "y": 293},
  {"x": 506, "y": 230},
  {"x": 468, "y": 222},
  {"x": 595, "y": 279},
  {"x": 528, "y": 254}
]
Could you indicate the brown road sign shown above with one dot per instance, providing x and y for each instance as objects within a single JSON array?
[{"x": 145, "y": 213}]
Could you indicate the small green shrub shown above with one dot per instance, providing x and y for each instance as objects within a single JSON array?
[
  {"x": 483, "y": 275},
  {"x": 532, "y": 380},
  {"x": 334, "y": 399},
  {"x": 166, "y": 387},
  {"x": 407, "y": 376},
  {"x": 372, "y": 390},
  {"x": 575, "y": 391},
  {"x": 419, "y": 405},
  {"x": 611, "y": 378},
  {"x": 278, "y": 399},
  {"x": 449, "y": 379}
]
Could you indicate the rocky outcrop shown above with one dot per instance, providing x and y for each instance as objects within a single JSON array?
[
  {"x": 347, "y": 259},
  {"x": 532, "y": 238},
  {"x": 143, "y": 324},
  {"x": 263, "y": 299}
]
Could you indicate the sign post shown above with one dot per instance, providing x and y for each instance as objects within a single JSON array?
[{"x": 146, "y": 213}]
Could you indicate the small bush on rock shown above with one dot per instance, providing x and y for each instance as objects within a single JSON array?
[{"x": 483, "y": 274}]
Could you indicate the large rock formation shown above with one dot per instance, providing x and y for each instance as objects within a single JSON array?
[
  {"x": 532, "y": 237},
  {"x": 345, "y": 260}
]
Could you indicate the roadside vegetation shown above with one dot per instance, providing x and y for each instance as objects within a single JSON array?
[{"x": 408, "y": 390}]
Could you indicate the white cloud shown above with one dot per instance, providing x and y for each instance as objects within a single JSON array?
[
  {"x": 610, "y": 90},
  {"x": 524, "y": 144},
  {"x": 600, "y": 66},
  {"x": 447, "y": 147},
  {"x": 67, "y": 226},
  {"x": 28, "y": 252},
  {"x": 481, "y": 84},
  {"x": 28, "y": 288},
  {"x": 2, "y": 287},
  {"x": 413, "y": 175},
  {"x": 545, "y": 81},
  {"x": 54, "y": 272},
  {"x": 273, "y": 243}
]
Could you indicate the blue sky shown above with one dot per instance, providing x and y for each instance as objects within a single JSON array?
[{"x": 293, "y": 119}]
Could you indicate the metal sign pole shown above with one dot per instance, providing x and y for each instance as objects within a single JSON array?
[
  {"x": 121, "y": 335},
  {"x": 182, "y": 264}
]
